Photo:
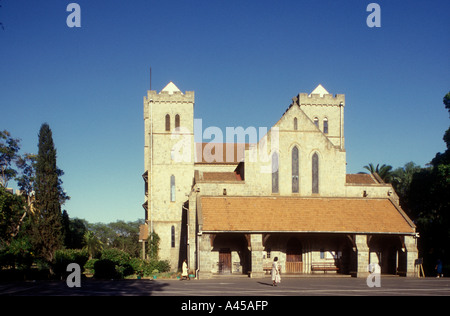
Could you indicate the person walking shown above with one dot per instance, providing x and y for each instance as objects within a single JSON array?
[
  {"x": 276, "y": 278},
  {"x": 185, "y": 272}
]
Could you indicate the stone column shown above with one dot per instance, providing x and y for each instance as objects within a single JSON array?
[
  {"x": 192, "y": 240},
  {"x": 257, "y": 255},
  {"x": 205, "y": 264},
  {"x": 411, "y": 255},
  {"x": 362, "y": 251}
]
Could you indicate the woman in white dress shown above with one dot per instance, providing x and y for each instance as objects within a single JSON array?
[
  {"x": 185, "y": 272},
  {"x": 275, "y": 272}
]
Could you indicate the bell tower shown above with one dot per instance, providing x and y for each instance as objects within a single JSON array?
[
  {"x": 169, "y": 167},
  {"x": 327, "y": 113}
]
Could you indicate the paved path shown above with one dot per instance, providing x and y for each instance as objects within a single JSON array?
[{"x": 390, "y": 286}]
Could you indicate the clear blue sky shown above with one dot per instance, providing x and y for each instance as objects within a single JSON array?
[{"x": 245, "y": 60}]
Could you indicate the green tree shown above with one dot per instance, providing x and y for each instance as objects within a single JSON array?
[
  {"x": 9, "y": 154},
  {"x": 401, "y": 179},
  {"x": 47, "y": 234},
  {"x": 11, "y": 215},
  {"x": 92, "y": 244},
  {"x": 384, "y": 171},
  {"x": 12, "y": 207},
  {"x": 429, "y": 205},
  {"x": 126, "y": 236},
  {"x": 153, "y": 246},
  {"x": 120, "y": 235},
  {"x": 27, "y": 164}
]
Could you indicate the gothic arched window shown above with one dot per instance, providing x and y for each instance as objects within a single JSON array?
[
  {"x": 275, "y": 168},
  {"x": 295, "y": 124},
  {"x": 177, "y": 121},
  {"x": 315, "y": 173},
  {"x": 295, "y": 170},
  {"x": 167, "y": 123},
  {"x": 172, "y": 188},
  {"x": 172, "y": 235},
  {"x": 316, "y": 122},
  {"x": 325, "y": 126}
]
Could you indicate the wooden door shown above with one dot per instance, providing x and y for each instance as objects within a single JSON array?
[
  {"x": 294, "y": 262},
  {"x": 225, "y": 261}
]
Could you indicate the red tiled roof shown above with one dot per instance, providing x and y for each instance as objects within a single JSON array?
[
  {"x": 360, "y": 178},
  {"x": 220, "y": 176},
  {"x": 287, "y": 214},
  {"x": 222, "y": 153}
]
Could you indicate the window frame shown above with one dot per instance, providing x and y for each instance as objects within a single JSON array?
[
  {"x": 172, "y": 188},
  {"x": 275, "y": 174},
  {"x": 167, "y": 117},
  {"x": 295, "y": 161},
  {"x": 315, "y": 173}
]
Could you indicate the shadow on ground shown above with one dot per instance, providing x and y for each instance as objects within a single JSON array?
[{"x": 88, "y": 288}]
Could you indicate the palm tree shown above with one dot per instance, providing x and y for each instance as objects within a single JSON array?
[
  {"x": 385, "y": 171},
  {"x": 402, "y": 177},
  {"x": 93, "y": 245}
]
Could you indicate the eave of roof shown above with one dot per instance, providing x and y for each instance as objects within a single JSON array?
[{"x": 306, "y": 215}]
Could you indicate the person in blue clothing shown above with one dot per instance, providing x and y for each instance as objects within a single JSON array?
[{"x": 439, "y": 269}]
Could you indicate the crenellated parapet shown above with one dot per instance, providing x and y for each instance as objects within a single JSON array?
[
  {"x": 170, "y": 96},
  {"x": 317, "y": 99}
]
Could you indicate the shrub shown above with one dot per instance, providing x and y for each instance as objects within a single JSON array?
[
  {"x": 117, "y": 256},
  {"x": 105, "y": 269},
  {"x": 66, "y": 256},
  {"x": 162, "y": 266},
  {"x": 89, "y": 265},
  {"x": 115, "y": 263}
]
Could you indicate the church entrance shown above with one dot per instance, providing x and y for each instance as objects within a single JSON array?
[
  {"x": 225, "y": 261},
  {"x": 294, "y": 262},
  {"x": 230, "y": 254}
]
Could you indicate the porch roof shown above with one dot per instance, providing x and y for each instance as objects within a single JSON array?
[{"x": 291, "y": 214}]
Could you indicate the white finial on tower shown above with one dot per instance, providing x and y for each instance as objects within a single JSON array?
[
  {"x": 170, "y": 88},
  {"x": 320, "y": 90}
]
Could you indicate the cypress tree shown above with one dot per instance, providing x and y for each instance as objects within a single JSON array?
[{"x": 47, "y": 226}]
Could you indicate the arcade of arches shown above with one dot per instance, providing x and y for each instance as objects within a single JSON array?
[{"x": 303, "y": 253}]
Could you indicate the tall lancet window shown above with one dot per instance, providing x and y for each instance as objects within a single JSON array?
[
  {"x": 325, "y": 126},
  {"x": 295, "y": 170},
  {"x": 177, "y": 121},
  {"x": 315, "y": 173},
  {"x": 172, "y": 236},
  {"x": 167, "y": 123},
  {"x": 295, "y": 124},
  {"x": 275, "y": 168},
  {"x": 172, "y": 188}
]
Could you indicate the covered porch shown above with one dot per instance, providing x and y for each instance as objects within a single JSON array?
[
  {"x": 308, "y": 235},
  {"x": 305, "y": 253}
]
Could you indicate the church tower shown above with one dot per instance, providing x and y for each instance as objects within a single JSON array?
[
  {"x": 327, "y": 113},
  {"x": 169, "y": 167}
]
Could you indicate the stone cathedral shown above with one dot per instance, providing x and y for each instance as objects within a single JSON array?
[{"x": 230, "y": 208}]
